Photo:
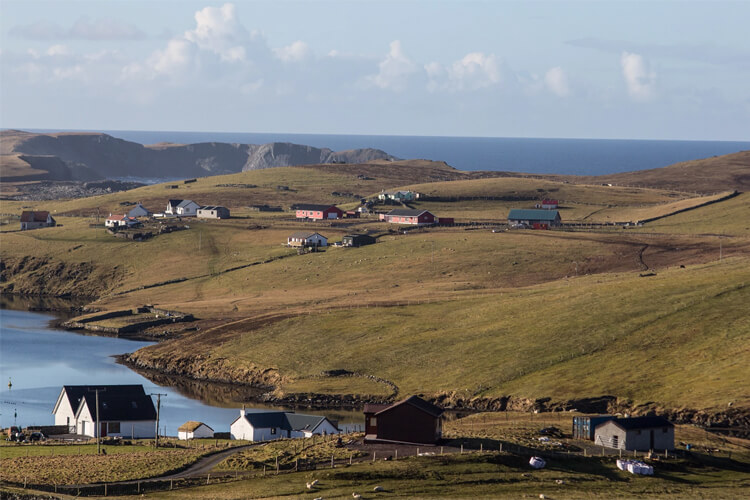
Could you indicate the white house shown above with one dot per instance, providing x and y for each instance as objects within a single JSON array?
[
  {"x": 139, "y": 211},
  {"x": 194, "y": 430},
  {"x": 267, "y": 426},
  {"x": 121, "y": 221},
  {"x": 124, "y": 410},
  {"x": 182, "y": 208},
  {"x": 306, "y": 239}
]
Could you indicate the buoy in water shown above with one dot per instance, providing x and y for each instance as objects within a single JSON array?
[{"x": 10, "y": 384}]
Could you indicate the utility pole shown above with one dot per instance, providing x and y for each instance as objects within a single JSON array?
[
  {"x": 158, "y": 407},
  {"x": 98, "y": 430}
]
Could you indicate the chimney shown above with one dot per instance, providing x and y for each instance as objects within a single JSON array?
[{"x": 242, "y": 411}]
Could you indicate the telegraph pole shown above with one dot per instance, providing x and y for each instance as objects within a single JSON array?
[
  {"x": 158, "y": 407},
  {"x": 98, "y": 430}
]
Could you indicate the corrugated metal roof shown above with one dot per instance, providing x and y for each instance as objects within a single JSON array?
[
  {"x": 406, "y": 212},
  {"x": 532, "y": 214},
  {"x": 319, "y": 208},
  {"x": 641, "y": 422},
  {"x": 34, "y": 216}
]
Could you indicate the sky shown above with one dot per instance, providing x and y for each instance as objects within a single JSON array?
[{"x": 595, "y": 69}]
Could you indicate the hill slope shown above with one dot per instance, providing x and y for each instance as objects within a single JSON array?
[{"x": 96, "y": 155}]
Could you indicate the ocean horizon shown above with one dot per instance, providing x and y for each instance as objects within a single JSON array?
[{"x": 528, "y": 155}]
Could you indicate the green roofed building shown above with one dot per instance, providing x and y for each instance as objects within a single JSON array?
[{"x": 533, "y": 217}]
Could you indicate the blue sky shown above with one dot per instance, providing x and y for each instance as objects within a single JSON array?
[{"x": 640, "y": 70}]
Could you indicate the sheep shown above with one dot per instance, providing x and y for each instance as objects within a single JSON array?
[
  {"x": 356, "y": 495},
  {"x": 378, "y": 488},
  {"x": 314, "y": 483}
]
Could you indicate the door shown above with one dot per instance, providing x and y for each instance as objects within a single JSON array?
[
  {"x": 615, "y": 441},
  {"x": 103, "y": 429}
]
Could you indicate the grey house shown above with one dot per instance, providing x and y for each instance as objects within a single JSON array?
[
  {"x": 213, "y": 212},
  {"x": 639, "y": 433}
]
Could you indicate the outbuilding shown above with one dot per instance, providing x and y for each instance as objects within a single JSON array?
[
  {"x": 412, "y": 420},
  {"x": 307, "y": 239},
  {"x": 319, "y": 212},
  {"x": 213, "y": 212},
  {"x": 35, "y": 219},
  {"x": 194, "y": 430},
  {"x": 139, "y": 211},
  {"x": 120, "y": 220},
  {"x": 357, "y": 240},
  {"x": 584, "y": 427},
  {"x": 268, "y": 426},
  {"x": 637, "y": 433},
  {"x": 409, "y": 216},
  {"x": 536, "y": 218}
]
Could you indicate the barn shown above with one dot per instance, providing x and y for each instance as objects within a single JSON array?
[
  {"x": 36, "y": 219},
  {"x": 357, "y": 240},
  {"x": 409, "y": 216},
  {"x": 536, "y": 218},
  {"x": 584, "y": 427},
  {"x": 412, "y": 420},
  {"x": 318, "y": 212},
  {"x": 637, "y": 433}
]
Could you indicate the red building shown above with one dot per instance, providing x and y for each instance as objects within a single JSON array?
[
  {"x": 412, "y": 420},
  {"x": 319, "y": 212},
  {"x": 549, "y": 204},
  {"x": 408, "y": 216}
]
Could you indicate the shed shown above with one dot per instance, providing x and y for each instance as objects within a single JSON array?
[
  {"x": 583, "y": 427},
  {"x": 318, "y": 212},
  {"x": 213, "y": 212},
  {"x": 306, "y": 239},
  {"x": 531, "y": 216},
  {"x": 34, "y": 219},
  {"x": 194, "y": 430},
  {"x": 638, "y": 433},
  {"x": 357, "y": 240},
  {"x": 412, "y": 420}
]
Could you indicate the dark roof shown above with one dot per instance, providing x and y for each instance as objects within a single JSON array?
[
  {"x": 418, "y": 403},
  {"x": 641, "y": 422},
  {"x": 32, "y": 216},
  {"x": 375, "y": 408},
  {"x": 116, "y": 402},
  {"x": 319, "y": 208},
  {"x": 406, "y": 212},
  {"x": 284, "y": 420},
  {"x": 532, "y": 214},
  {"x": 174, "y": 203},
  {"x": 304, "y": 234}
]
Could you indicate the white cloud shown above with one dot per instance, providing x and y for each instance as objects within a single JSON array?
[
  {"x": 58, "y": 50},
  {"x": 640, "y": 79},
  {"x": 82, "y": 29},
  {"x": 474, "y": 71},
  {"x": 557, "y": 81},
  {"x": 219, "y": 31},
  {"x": 175, "y": 57},
  {"x": 297, "y": 51},
  {"x": 395, "y": 69}
]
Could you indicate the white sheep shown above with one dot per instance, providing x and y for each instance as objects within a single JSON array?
[
  {"x": 378, "y": 488},
  {"x": 314, "y": 483},
  {"x": 356, "y": 495}
]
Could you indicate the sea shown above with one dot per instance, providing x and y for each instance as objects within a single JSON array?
[{"x": 530, "y": 155}]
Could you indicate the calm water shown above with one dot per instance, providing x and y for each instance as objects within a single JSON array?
[
  {"x": 40, "y": 359},
  {"x": 541, "y": 156}
]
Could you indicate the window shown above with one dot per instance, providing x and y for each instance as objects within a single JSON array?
[
  {"x": 373, "y": 421},
  {"x": 273, "y": 430},
  {"x": 113, "y": 427},
  {"x": 615, "y": 441}
]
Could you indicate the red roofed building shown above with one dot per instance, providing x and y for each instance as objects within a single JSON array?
[
  {"x": 36, "y": 219},
  {"x": 550, "y": 204},
  {"x": 120, "y": 221},
  {"x": 412, "y": 420}
]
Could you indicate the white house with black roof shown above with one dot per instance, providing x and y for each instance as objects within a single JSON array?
[
  {"x": 267, "y": 426},
  {"x": 182, "y": 208},
  {"x": 124, "y": 411}
]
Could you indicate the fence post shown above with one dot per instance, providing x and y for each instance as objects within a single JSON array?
[
  {"x": 417, "y": 451},
  {"x": 396, "y": 453},
  {"x": 462, "y": 448},
  {"x": 501, "y": 447},
  {"x": 481, "y": 447},
  {"x": 373, "y": 455},
  {"x": 331, "y": 460},
  {"x": 170, "y": 484},
  {"x": 208, "y": 478},
  {"x": 441, "y": 450},
  {"x": 296, "y": 464},
  {"x": 105, "y": 489}
]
